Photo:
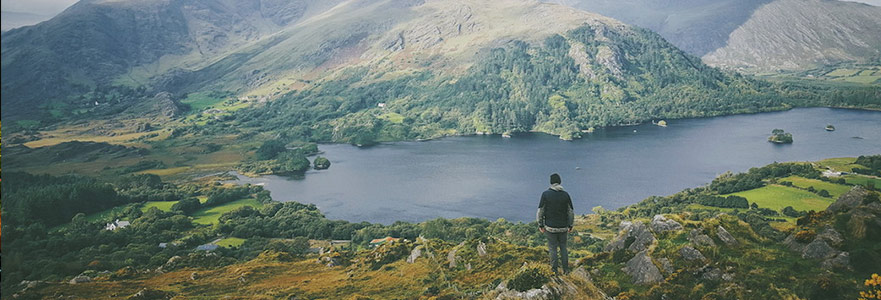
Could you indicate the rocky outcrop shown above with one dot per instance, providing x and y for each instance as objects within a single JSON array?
[
  {"x": 639, "y": 233},
  {"x": 793, "y": 244},
  {"x": 642, "y": 270},
  {"x": 662, "y": 224},
  {"x": 691, "y": 254},
  {"x": 726, "y": 237},
  {"x": 698, "y": 238},
  {"x": 818, "y": 249},
  {"x": 849, "y": 200},
  {"x": 165, "y": 105}
]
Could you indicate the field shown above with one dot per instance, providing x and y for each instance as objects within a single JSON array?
[
  {"x": 834, "y": 189},
  {"x": 843, "y": 164},
  {"x": 862, "y": 180},
  {"x": 777, "y": 197},
  {"x": 231, "y": 242},
  {"x": 161, "y": 205},
  {"x": 210, "y": 215},
  {"x": 201, "y": 101}
]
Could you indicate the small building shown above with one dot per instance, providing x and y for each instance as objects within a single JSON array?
[
  {"x": 380, "y": 105},
  {"x": 377, "y": 242},
  {"x": 117, "y": 224}
]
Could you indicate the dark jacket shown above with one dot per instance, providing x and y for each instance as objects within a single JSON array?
[{"x": 555, "y": 209}]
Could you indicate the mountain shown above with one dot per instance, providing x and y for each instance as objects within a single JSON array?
[
  {"x": 756, "y": 35},
  {"x": 95, "y": 42},
  {"x": 696, "y": 26},
  {"x": 324, "y": 68},
  {"x": 11, "y": 19},
  {"x": 802, "y": 34}
]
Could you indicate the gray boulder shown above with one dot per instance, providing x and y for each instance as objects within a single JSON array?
[
  {"x": 831, "y": 236},
  {"x": 818, "y": 249},
  {"x": 661, "y": 224},
  {"x": 726, "y": 237},
  {"x": 698, "y": 238},
  {"x": 642, "y": 237},
  {"x": 840, "y": 261},
  {"x": 642, "y": 270},
  {"x": 691, "y": 254}
]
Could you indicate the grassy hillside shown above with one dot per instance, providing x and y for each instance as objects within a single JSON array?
[{"x": 661, "y": 247}]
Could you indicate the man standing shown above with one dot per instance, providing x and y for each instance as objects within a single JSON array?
[{"x": 555, "y": 217}]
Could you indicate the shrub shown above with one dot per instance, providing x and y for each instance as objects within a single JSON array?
[
  {"x": 529, "y": 277},
  {"x": 805, "y": 236}
]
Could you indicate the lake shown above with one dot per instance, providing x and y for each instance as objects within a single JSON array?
[{"x": 493, "y": 177}]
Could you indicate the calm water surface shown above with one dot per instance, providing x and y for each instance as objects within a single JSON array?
[{"x": 493, "y": 177}]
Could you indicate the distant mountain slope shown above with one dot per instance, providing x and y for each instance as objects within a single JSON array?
[
  {"x": 11, "y": 19},
  {"x": 801, "y": 34},
  {"x": 770, "y": 34},
  {"x": 696, "y": 26},
  {"x": 94, "y": 42}
]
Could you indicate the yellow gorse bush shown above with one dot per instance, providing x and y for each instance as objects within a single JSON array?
[{"x": 874, "y": 288}]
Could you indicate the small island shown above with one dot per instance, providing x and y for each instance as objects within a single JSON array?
[
  {"x": 778, "y": 136},
  {"x": 829, "y": 127},
  {"x": 321, "y": 163}
]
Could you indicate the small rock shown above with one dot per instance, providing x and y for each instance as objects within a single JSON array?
[
  {"x": 698, "y": 238},
  {"x": 194, "y": 276},
  {"x": 80, "y": 279},
  {"x": 727, "y": 277},
  {"x": 642, "y": 270},
  {"x": 691, "y": 254},
  {"x": 481, "y": 249},
  {"x": 151, "y": 294},
  {"x": 414, "y": 254},
  {"x": 666, "y": 265},
  {"x": 726, "y": 237},
  {"x": 662, "y": 224},
  {"x": 710, "y": 273},
  {"x": 642, "y": 237}
]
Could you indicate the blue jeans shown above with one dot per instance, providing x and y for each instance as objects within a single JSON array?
[{"x": 558, "y": 240}]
